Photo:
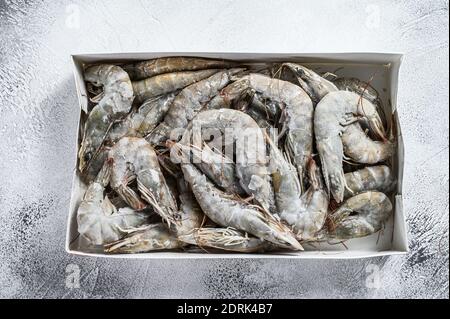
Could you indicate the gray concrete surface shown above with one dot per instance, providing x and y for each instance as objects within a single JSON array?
[{"x": 39, "y": 112}]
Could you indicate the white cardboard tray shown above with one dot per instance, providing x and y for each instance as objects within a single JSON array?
[{"x": 385, "y": 66}]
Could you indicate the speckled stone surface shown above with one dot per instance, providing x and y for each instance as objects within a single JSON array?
[{"x": 39, "y": 112}]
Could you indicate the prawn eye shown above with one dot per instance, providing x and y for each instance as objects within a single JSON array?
[{"x": 87, "y": 156}]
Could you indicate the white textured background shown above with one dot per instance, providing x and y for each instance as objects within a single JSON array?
[{"x": 39, "y": 112}]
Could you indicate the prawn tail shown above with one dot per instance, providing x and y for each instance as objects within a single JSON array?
[
  {"x": 314, "y": 175},
  {"x": 377, "y": 127},
  {"x": 104, "y": 175}
]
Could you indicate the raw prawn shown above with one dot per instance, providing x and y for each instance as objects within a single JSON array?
[
  {"x": 360, "y": 216},
  {"x": 150, "y": 68},
  {"x": 137, "y": 124},
  {"x": 148, "y": 238},
  {"x": 133, "y": 158},
  {"x": 167, "y": 83},
  {"x": 376, "y": 178},
  {"x": 229, "y": 212},
  {"x": 191, "y": 218},
  {"x": 115, "y": 104},
  {"x": 297, "y": 109},
  {"x": 359, "y": 147},
  {"x": 188, "y": 103},
  {"x": 306, "y": 213},
  {"x": 333, "y": 114},
  {"x": 239, "y": 129},
  {"x": 98, "y": 219}
]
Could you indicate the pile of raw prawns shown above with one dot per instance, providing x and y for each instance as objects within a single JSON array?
[{"x": 186, "y": 152}]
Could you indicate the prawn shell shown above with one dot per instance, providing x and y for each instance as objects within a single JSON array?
[
  {"x": 361, "y": 215},
  {"x": 376, "y": 178},
  {"x": 150, "y": 68},
  {"x": 167, "y": 83},
  {"x": 362, "y": 149}
]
